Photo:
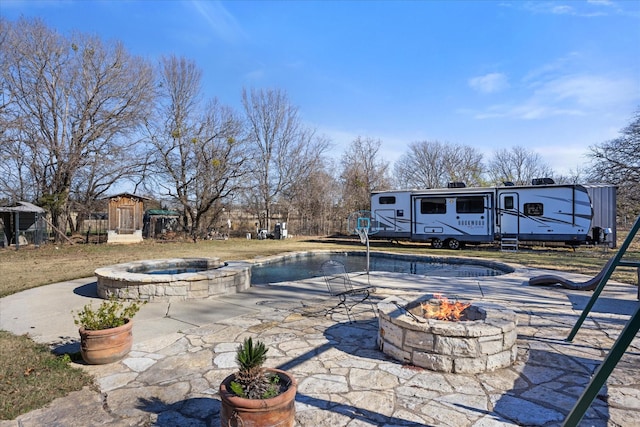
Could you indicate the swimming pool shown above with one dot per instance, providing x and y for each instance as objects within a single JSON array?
[{"x": 308, "y": 264}]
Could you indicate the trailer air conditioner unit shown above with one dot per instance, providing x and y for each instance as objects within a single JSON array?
[
  {"x": 542, "y": 181},
  {"x": 456, "y": 185}
]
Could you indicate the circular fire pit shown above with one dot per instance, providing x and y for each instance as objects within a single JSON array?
[{"x": 483, "y": 340}]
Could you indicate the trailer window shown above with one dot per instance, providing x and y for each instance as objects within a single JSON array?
[
  {"x": 470, "y": 205},
  {"x": 508, "y": 202},
  {"x": 533, "y": 209},
  {"x": 435, "y": 205},
  {"x": 388, "y": 200}
]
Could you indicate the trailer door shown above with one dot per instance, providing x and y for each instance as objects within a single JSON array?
[{"x": 509, "y": 215}]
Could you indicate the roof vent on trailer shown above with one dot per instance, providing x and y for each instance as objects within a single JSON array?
[
  {"x": 542, "y": 181},
  {"x": 456, "y": 185},
  {"x": 508, "y": 184}
]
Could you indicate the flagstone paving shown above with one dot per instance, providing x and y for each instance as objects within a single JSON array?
[{"x": 345, "y": 380}]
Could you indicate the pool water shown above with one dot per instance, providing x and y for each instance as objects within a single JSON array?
[{"x": 300, "y": 268}]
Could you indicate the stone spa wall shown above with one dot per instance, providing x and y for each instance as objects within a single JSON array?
[{"x": 133, "y": 280}]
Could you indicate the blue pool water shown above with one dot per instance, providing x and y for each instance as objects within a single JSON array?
[{"x": 300, "y": 268}]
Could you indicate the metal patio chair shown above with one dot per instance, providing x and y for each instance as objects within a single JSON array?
[{"x": 340, "y": 286}]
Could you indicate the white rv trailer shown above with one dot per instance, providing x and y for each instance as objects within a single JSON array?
[{"x": 451, "y": 217}]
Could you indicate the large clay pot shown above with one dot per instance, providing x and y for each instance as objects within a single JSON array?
[
  {"x": 106, "y": 345},
  {"x": 277, "y": 411}
]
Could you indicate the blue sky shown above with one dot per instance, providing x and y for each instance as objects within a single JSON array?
[{"x": 555, "y": 77}]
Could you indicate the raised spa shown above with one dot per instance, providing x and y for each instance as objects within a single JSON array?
[
  {"x": 173, "y": 279},
  {"x": 485, "y": 341}
]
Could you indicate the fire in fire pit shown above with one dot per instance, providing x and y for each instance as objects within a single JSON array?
[
  {"x": 459, "y": 337},
  {"x": 441, "y": 308}
]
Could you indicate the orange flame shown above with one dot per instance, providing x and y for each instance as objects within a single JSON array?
[{"x": 443, "y": 309}]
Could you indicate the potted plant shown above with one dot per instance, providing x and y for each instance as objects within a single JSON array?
[
  {"x": 257, "y": 396},
  {"x": 105, "y": 332}
]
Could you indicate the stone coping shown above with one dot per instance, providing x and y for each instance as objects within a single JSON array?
[{"x": 129, "y": 280}]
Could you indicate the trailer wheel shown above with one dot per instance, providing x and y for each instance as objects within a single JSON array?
[
  {"x": 453, "y": 244},
  {"x": 436, "y": 244}
]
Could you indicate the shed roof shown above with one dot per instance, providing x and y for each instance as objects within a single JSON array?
[
  {"x": 162, "y": 212},
  {"x": 22, "y": 207},
  {"x": 127, "y": 195}
]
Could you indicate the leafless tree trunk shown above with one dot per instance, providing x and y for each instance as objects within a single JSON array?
[
  {"x": 74, "y": 104},
  {"x": 314, "y": 200},
  {"x": 362, "y": 172},
  {"x": 517, "y": 165},
  {"x": 285, "y": 151},
  {"x": 200, "y": 149}
]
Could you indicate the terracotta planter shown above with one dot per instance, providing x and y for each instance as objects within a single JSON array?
[
  {"x": 277, "y": 411},
  {"x": 106, "y": 345}
]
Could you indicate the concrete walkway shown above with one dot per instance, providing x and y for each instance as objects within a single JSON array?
[{"x": 183, "y": 350}]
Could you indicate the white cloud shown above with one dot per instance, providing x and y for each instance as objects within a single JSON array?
[
  {"x": 255, "y": 75},
  {"x": 223, "y": 23},
  {"x": 489, "y": 83},
  {"x": 555, "y": 67},
  {"x": 567, "y": 95},
  {"x": 586, "y": 91},
  {"x": 588, "y": 9},
  {"x": 601, "y": 2},
  {"x": 563, "y": 159},
  {"x": 562, "y": 10}
]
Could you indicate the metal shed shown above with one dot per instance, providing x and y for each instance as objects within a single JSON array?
[
  {"x": 157, "y": 222},
  {"x": 22, "y": 223},
  {"x": 603, "y": 224}
]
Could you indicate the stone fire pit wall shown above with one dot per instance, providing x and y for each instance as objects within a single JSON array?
[{"x": 485, "y": 343}]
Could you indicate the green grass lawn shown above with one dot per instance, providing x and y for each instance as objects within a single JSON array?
[{"x": 31, "y": 376}]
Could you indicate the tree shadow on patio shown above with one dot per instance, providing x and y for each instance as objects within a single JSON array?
[
  {"x": 548, "y": 386},
  {"x": 192, "y": 412}
]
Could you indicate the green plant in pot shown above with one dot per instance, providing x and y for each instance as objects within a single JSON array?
[
  {"x": 106, "y": 331},
  {"x": 254, "y": 395}
]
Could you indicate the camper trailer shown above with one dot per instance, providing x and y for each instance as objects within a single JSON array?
[{"x": 451, "y": 217}]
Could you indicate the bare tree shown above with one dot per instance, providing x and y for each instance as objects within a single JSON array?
[
  {"x": 574, "y": 176},
  {"x": 433, "y": 164},
  {"x": 618, "y": 162},
  {"x": 315, "y": 199},
  {"x": 74, "y": 104},
  {"x": 517, "y": 165},
  {"x": 200, "y": 151},
  {"x": 362, "y": 172},
  {"x": 285, "y": 151}
]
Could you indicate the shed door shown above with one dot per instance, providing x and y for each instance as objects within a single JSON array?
[{"x": 126, "y": 220}]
